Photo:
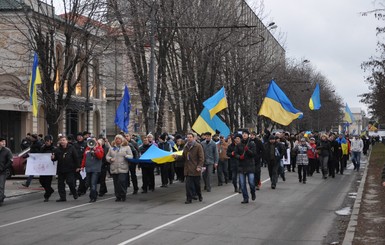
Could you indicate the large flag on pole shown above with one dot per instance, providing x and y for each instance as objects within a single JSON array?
[
  {"x": 205, "y": 124},
  {"x": 315, "y": 100},
  {"x": 35, "y": 79},
  {"x": 277, "y": 106},
  {"x": 348, "y": 117},
  {"x": 122, "y": 118},
  {"x": 216, "y": 103}
]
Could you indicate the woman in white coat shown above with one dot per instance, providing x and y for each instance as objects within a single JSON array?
[{"x": 117, "y": 156}]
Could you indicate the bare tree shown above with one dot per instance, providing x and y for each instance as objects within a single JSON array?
[{"x": 65, "y": 46}]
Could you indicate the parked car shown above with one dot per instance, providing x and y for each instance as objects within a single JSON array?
[{"x": 19, "y": 164}]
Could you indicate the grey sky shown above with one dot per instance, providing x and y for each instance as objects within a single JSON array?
[{"x": 332, "y": 35}]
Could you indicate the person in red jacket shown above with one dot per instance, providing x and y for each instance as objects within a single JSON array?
[
  {"x": 92, "y": 162},
  {"x": 313, "y": 157}
]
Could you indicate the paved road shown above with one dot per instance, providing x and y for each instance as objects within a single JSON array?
[{"x": 294, "y": 213}]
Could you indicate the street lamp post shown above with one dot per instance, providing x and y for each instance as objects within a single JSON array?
[{"x": 151, "y": 116}]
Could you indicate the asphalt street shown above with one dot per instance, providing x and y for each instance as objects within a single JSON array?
[{"x": 294, "y": 213}]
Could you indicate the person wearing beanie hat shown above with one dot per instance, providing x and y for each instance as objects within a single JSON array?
[
  {"x": 245, "y": 131},
  {"x": 46, "y": 180},
  {"x": 211, "y": 160},
  {"x": 259, "y": 149},
  {"x": 34, "y": 148},
  {"x": 273, "y": 154},
  {"x": 166, "y": 172},
  {"x": 245, "y": 152},
  {"x": 80, "y": 145},
  {"x": 233, "y": 162}
]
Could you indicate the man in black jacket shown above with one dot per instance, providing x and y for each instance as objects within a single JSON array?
[
  {"x": 46, "y": 180},
  {"x": 67, "y": 165},
  {"x": 80, "y": 146},
  {"x": 274, "y": 152},
  {"x": 245, "y": 153},
  {"x": 5, "y": 163},
  {"x": 259, "y": 149}
]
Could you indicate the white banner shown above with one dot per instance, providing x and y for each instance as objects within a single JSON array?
[
  {"x": 40, "y": 164},
  {"x": 286, "y": 161}
]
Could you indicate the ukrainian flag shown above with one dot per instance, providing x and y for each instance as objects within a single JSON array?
[
  {"x": 205, "y": 124},
  {"x": 315, "y": 100},
  {"x": 159, "y": 156},
  {"x": 216, "y": 103},
  {"x": 278, "y": 107},
  {"x": 348, "y": 117},
  {"x": 35, "y": 79}
]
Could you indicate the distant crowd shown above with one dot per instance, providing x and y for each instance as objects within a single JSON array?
[{"x": 84, "y": 161}]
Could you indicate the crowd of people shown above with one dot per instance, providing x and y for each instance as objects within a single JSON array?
[{"x": 84, "y": 162}]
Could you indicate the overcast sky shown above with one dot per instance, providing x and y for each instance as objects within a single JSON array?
[{"x": 332, "y": 35}]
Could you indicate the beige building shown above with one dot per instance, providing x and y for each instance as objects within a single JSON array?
[{"x": 16, "y": 58}]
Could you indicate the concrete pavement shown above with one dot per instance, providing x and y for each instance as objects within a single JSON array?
[{"x": 14, "y": 188}]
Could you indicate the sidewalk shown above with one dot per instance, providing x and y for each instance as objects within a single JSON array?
[{"x": 14, "y": 188}]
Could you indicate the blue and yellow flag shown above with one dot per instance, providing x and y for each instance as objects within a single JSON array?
[
  {"x": 277, "y": 106},
  {"x": 216, "y": 103},
  {"x": 159, "y": 156},
  {"x": 205, "y": 124},
  {"x": 315, "y": 100},
  {"x": 348, "y": 117},
  {"x": 34, "y": 80}
]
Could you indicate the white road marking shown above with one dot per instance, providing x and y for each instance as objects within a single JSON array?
[
  {"x": 179, "y": 219},
  {"x": 47, "y": 214}
]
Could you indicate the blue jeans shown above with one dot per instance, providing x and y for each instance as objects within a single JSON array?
[
  {"x": 92, "y": 179},
  {"x": 356, "y": 159},
  {"x": 242, "y": 183}
]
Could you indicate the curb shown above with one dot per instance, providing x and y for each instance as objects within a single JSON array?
[{"x": 350, "y": 231}]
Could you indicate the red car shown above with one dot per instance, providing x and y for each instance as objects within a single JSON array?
[{"x": 19, "y": 164}]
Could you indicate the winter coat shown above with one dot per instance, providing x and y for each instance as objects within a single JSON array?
[
  {"x": 357, "y": 145},
  {"x": 245, "y": 153},
  {"x": 211, "y": 152},
  {"x": 232, "y": 161},
  {"x": 178, "y": 163},
  {"x": 323, "y": 148},
  {"x": 278, "y": 152},
  {"x": 222, "y": 150},
  {"x": 259, "y": 150},
  {"x": 120, "y": 154},
  {"x": 312, "y": 153},
  {"x": 335, "y": 152},
  {"x": 6, "y": 159},
  {"x": 48, "y": 149},
  {"x": 67, "y": 159},
  {"x": 80, "y": 147},
  {"x": 35, "y": 146},
  {"x": 193, "y": 157},
  {"x": 93, "y": 159},
  {"x": 301, "y": 150}
]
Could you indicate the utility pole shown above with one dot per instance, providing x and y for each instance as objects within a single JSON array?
[{"x": 151, "y": 116}]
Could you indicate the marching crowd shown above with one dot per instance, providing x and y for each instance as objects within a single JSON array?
[{"x": 237, "y": 159}]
